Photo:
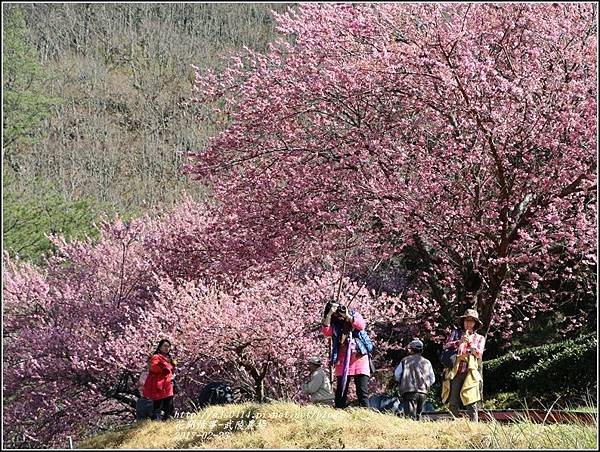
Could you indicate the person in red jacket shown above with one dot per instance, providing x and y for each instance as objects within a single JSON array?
[{"x": 159, "y": 384}]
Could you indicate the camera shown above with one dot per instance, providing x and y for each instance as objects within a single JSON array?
[
  {"x": 339, "y": 310},
  {"x": 342, "y": 310}
]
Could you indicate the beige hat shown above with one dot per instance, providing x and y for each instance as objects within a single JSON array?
[
  {"x": 473, "y": 314},
  {"x": 315, "y": 360}
]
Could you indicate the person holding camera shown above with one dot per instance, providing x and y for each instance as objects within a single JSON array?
[
  {"x": 415, "y": 375},
  {"x": 317, "y": 385},
  {"x": 350, "y": 352},
  {"x": 463, "y": 380},
  {"x": 160, "y": 385}
]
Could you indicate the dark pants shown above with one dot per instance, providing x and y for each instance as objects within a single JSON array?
[
  {"x": 166, "y": 406},
  {"x": 454, "y": 399},
  {"x": 413, "y": 403},
  {"x": 144, "y": 409},
  {"x": 362, "y": 391}
]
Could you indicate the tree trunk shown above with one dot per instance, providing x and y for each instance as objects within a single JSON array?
[
  {"x": 437, "y": 291},
  {"x": 486, "y": 304},
  {"x": 260, "y": 390},
  {"x": 259, "y": 379}
]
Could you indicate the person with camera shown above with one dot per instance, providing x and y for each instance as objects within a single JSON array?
[
  {"x": 160, "y": 385},
  {"x": 463, "y": 379},
  {"x": 349, "y": 353},
  {"x": 415, "y": 375},
  {"x": 317, "y": 385}
]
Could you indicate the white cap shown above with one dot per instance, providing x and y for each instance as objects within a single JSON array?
[{"x": 416, "y": 345}]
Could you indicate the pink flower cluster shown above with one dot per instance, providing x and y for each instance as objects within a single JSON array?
[{"x": 78, "y": 333}]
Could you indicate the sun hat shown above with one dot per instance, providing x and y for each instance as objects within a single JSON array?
[{"x": 473, "y": 314}]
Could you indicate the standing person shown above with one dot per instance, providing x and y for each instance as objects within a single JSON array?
[
  {"x": 159, "y": 383},
  {"x": 415, "y": 375},
  {"x": 350, "y": 352},
  {"x": 317, "y": 386},
  {"x": 462, "y": 382}
]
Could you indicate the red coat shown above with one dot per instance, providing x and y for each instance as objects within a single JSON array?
[{"x": 159, "y": 383}]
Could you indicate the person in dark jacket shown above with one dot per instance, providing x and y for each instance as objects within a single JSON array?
[
  {"x": 159, "y": 383},
  {"x": 415, "y": 375}
]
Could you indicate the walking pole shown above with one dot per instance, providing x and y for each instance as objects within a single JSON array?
[
  {"x": 330, "y": 347},
  {"x": 337, "y": 300},
  {"x": 339, "y": 291},
  {"x": 365, "y": 282}
]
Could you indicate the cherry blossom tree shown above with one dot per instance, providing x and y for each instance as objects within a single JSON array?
[
  {"x": 460, "y": 136},
  {"x": 60, "y": 373},
  {"x": 78, "y": 334}
]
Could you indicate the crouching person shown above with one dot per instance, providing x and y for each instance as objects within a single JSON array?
[
  {"x": 415, "y": 375},
  {"x": 317, "y": 386}
]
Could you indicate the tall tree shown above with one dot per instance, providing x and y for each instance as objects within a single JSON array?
[
  {"x": 463, "y": 135},
  {"x": 25, "y": 105}
]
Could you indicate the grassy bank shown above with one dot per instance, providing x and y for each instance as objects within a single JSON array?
[{"x": 286, "y": 425}]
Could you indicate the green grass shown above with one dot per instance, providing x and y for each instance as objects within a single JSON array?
[
  {"x": 528, "y": 435},
  {"x": 583, "y": 409}
]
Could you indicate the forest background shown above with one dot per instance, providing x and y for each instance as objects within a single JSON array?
[{"x": 95, "y": 109}]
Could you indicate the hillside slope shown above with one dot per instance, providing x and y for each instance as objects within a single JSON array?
[{"x": 96, "y": 114}]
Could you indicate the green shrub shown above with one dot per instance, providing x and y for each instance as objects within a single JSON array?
[
  {"x": 567, "y": 367},
  {"x": 570, "y": 371},
  {"x": 504, "y": 400},
  {"x": 28, "y": 219}
]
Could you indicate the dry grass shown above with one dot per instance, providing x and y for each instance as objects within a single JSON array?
[{"x": 286, "y": 426}]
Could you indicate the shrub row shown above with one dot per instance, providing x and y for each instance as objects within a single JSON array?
[{"x": 567, "y": 367}]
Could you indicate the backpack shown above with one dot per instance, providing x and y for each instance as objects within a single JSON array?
[
  {"x": 144, "y": 409},
  {"x": 365, "y": 347},
  {"x": 363, "y": 342},
  {"x": 448, "y": 356}
]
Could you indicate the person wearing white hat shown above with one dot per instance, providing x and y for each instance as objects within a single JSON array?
[
  {"x": 415, "y": 375},
  {"x": 317, "y": 386}
]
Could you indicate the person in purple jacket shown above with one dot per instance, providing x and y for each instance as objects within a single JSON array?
[{"x": 348, "y": 352}]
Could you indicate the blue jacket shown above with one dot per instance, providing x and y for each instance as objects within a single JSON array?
[{"x": 362, "y": 339}]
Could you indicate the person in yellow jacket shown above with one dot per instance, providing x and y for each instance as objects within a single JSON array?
[
  {"x": 462, "y": 382},
  {"x": 469, "y": 391}
]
